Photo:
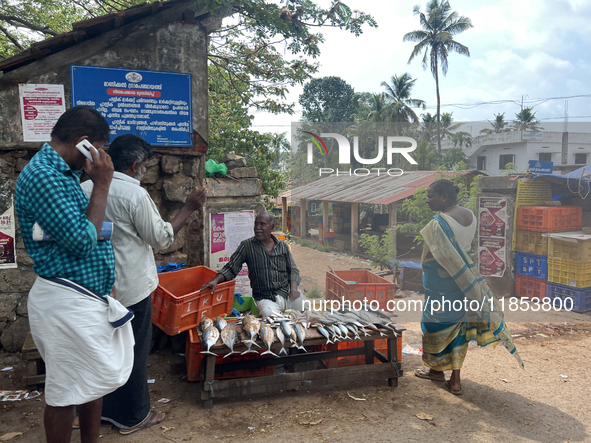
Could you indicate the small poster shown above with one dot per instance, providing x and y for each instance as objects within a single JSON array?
[
  {"x": 7, "y": 242},
  {"x": 492, "y": 216},
  {"x": 41, "y": 107},
  {"x": 491, "y": 256},
  {"x": 227, "y": 231}
]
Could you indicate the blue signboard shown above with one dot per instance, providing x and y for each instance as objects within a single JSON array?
[
  {"x": 539, "y": 167},
  {"x": 153, "y": 105}
]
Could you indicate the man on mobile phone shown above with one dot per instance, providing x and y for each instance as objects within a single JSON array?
[
  {"x": 138, "y": 229},
  {"x": 83, "y": 336}
]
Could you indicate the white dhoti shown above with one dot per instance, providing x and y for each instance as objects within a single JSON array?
[
  {"x": 86, "y": 341},
  {"x": 269, "y": 307}
]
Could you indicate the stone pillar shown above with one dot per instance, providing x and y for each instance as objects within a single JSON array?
[
  {"x": 392, "y": 208},
  {"x": 354, "y": 227}
]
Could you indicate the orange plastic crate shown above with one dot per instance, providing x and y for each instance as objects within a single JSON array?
[
  {"x": 194, "y": 358},
  {"x": 530, "y": 287},
  {"x": 359, "y": 286},
  {"x": 178, "y": 305},
  {"x": 549, "y": 218}
]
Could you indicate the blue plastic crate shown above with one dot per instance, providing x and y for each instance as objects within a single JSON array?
[
  {"x": 579, "y": 297},
  {"x": 532, "y": 265}
]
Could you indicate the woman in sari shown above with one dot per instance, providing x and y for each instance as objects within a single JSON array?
[{"x": 459, "y": 305}]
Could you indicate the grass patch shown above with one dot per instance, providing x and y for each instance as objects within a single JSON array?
[
  {"x": 309, "y": 244},
  {"x": 315, "y": 292}
]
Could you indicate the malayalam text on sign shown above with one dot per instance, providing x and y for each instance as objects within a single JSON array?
[{"x": 41, "y": 107}]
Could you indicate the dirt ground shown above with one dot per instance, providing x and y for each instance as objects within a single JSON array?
[{"x": 549, "y": 402}]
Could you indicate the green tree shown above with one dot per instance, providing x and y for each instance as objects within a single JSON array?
[
  {"x": 399, "y": 102},
  {"x": 429, "y": 127},
  {"x": 436, "y": 39},
  {"x": 461, "y": 139},
  {"x": 425, "y": 156},
  {"x": 328, "y": 99},
  {"x": 525, "y": 120},
  {"x": 380, "y": 250},
  {"x": 498, "y": 125},
  {"x": 453, "y": 157},
  {"x": 447, "y": 125}
]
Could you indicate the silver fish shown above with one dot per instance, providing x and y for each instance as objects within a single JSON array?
[
  {"x": 323, "y": 331},
  {"x": 300, "y": 331},
  {"x": 220, "y": 323},
  {"x": 353, "y": 329},
  {"x": 286, "y": 329},
  {"x": 229, "y": 337},
  {"x": 205, "y": 323},
  {"x": 268, "y": 336},
  {"x": 281, "y": 338},
  {"x": 336, "y": 332},
  {"x": 344, "y": 330},
  {"x": 252, "y": 328},
  {"x": 209, "y": 338},
  {"x": 247, "y": 342}
]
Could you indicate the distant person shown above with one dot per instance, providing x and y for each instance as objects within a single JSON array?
[
  {"x": 138, "y": 229},
  {"x": 87, "y": 349},
  {"x": 450, "y": 275},
  {"x": 273, "y": 274}
]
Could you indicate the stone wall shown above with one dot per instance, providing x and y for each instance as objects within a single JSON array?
[{"x": 166, "y": 41}]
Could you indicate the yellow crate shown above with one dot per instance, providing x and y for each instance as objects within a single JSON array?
[
  {"x": 579, "y": 251},
  {"x": 569, "y": 273},
  {"x": 532, "y": 242}
]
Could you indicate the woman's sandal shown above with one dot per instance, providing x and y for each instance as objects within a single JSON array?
[
  {"x": 454, "y": 392},
  {"x": 426, "y": 373},
  {"x": 153, "y": 419}
]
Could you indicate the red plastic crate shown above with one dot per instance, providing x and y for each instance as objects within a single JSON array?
[
  {"x": 549, "y": 218},
  {"x": 193, "y": 356},
  {"x": 178, "y": 305},
  {"x": 366, "y": 286},
  {"x": 530, "y": 287}
]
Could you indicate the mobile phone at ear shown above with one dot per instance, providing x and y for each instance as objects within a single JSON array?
[{"x": 84, "y": 147}]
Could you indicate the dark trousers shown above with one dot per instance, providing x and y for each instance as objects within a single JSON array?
[{"x": 130, "y": 404}]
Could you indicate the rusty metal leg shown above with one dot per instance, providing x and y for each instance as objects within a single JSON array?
[{"x": 369, "y": 352}]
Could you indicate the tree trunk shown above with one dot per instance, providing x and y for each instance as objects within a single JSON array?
[{"x": 438, "y": 107}]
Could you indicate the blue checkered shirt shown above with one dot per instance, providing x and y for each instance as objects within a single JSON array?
[{"x": 48, "y": 192}]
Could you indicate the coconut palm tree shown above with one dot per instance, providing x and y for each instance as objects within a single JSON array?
[
  {"x": 426, "y": 156},
  {"x": 446, "y": 125},
  {"x": 440, "y": 24},
  {"x": 378, "y": 105},
  {"x": 498, "y": 125},
  {"x": 462, "y": 139},
  {"x": 399, "y": 103},
  {"x": 429, "y": 126},
  {"x": 526, "y": 121}
]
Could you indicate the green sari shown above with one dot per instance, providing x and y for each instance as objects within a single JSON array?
[{"x": 459, "y": 305}]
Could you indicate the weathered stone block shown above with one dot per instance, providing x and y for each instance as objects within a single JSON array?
[
  {"x": 231, "y": 188},
  {"x": 152, "y": 175},
  {"x": 177, "y": 187},
  {"x": 22, "y": 258},
  {"x": 154, "y": 160},
  {"x": 170, "y": 164},
  {"x": 17, "y": 280},
  {"x": 21, "y": 163},
  {"x": 8, "y": 305},
  {"x": 230, "y": 156},
  {"x": 240, "y": 162},
  {"x": 191, "y": 167},
  {"x": 13, "y": 337},
  {"x": 244, "y": 172}
]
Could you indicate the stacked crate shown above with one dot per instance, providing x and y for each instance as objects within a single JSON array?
[
  {"x": 533, "y": 247},
  {"x": 569, "y": 272}
]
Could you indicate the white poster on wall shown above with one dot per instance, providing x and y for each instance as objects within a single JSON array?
[
  {"x": 7, "y": 239},
  {"x": 41, "y": 107},
  {"x": 227, "y": 230}
]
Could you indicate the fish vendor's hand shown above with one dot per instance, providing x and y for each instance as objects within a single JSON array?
[
  {"x": 294, "y": 294},
  {"x": 210, "y": 284}
]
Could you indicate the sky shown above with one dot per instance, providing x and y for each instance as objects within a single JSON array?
[{"x": 536, "y": 51}]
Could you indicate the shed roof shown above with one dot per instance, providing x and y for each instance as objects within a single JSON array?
[
  {"x": 379, "y": 190},
  {"x": 88, "y": 29}
]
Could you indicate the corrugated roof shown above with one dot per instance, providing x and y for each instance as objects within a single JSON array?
[
  {"x": 88, "y": 29},
  {"x": 379, "y": 190}
]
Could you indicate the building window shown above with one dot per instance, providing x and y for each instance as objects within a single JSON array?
[
  {"x": 504, "y": 159},
  {"x": 545, "y": 157},
  {"x": 481, "y": 163},
  {"x": 580, "y": 159}
]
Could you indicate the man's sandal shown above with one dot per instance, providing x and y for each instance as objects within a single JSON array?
[
  {"x": 426, "y": 373},
  {"x": 153, "y": 419}
]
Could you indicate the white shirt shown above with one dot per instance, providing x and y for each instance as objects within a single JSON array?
[{"x": 137, "y": 228}]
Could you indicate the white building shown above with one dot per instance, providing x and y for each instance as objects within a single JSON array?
[{"x": 490, "y": 153}]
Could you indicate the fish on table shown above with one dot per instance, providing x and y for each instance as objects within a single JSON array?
[
  {"x": 205, "y": 323},
  {"x": 220, "y": 323},
  {"x": 268, "y": 337},
  {"x": 300, "y": 331},
  {"x": 230, "y": 337},
  {"x": 209, "y": 338},
  {"x": 281, "y": 338}
]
